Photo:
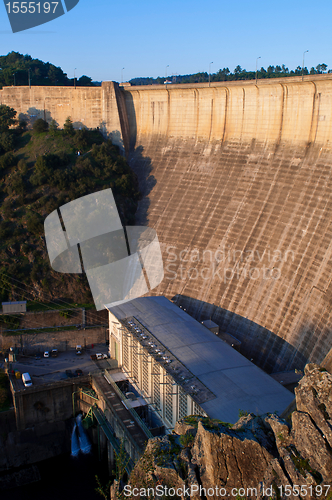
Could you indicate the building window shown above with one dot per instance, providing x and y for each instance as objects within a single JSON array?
[
  {"x": 135, "y": 357},
  {"x": 198, "y": 410},
  {"x": 125, "y": 355},
  {"x": 156, "y": 384},
  {"x": 183, "y": 403},
  {"x": 169, "y": 399},
  {"x": 145, "y": 374}
]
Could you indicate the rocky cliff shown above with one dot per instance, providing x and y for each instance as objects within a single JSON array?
[{"x": 261, "y": 456}]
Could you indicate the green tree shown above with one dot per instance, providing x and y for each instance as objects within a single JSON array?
[
  {"x": 321, "y": 68},
  {"x": 7, "y": 141},
  {"x": 7, "y": 117},
  {"x": 84, "y": 81},
  {"x": 53, "y": 127},
  {"x": 40, "y": 126},
  {"x": 68, "y": 127}
]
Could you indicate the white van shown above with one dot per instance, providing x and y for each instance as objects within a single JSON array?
[{"x": 26, "y": 379}]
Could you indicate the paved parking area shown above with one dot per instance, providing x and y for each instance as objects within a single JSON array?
[{"x": 53, "y": 369}]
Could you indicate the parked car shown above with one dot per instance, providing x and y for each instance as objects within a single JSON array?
[
  {"x": 37, "y": 356},
  {"x": 26, "y": 379},
  {"x": 79, "y": 372},
  {"x": 69, "y": 374},
  {"x": 54, "y": 353},
  {"x": 101, "y": 356},
  {"x": 46, "y": 354},
  {"x": 78, "y": 350}
]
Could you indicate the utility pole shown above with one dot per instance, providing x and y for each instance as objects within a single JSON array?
[{"x": 256, "y": 67}]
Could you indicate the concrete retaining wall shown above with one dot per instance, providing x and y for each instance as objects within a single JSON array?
[{"x": 30, "y": 343}]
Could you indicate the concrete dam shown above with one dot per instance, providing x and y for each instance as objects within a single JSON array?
[{"x": 236, "y": 179}]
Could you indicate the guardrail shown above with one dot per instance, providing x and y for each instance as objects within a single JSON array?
[{"x": 127, "y": 404}]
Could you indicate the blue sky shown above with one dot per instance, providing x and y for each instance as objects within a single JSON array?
[{"x": 100, "y": 37}]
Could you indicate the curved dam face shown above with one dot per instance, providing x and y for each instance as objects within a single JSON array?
[{"x": 237, "y": 183}]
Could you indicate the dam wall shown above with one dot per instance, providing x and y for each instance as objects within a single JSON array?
[
  {"x": 89, "y": 107},
  {"x": 236, "y": 179}
]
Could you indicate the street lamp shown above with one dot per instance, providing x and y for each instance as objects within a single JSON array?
[
  {"x": 122, "y": 75},
  {"x": 15, "y": 79},
  {"x": 210, "y": 72},
  {"x": 256, "y": 67},
  {"x": 74, "y": 78},
  {"x": 29, "y": 78},
  {"x": 166, "y": 74},
  {"x": 303, "y": 62}
]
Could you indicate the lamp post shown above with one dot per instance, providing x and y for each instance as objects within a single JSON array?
[
  {"x": 29, "y": 78},
  {"x": 210, "y": 73},
  {"x": 74, "y": 78},
  {"x": 166, "y": 74},
  {"x": 256, "y": 67},
  {"x": 303, "y": 63},
  {"x": 122, "y": 75}
]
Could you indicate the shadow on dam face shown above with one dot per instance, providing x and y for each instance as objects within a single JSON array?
[{"x": 263, "y": 347}]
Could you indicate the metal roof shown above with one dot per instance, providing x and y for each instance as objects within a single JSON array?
[{"x": 236, "y": 382}]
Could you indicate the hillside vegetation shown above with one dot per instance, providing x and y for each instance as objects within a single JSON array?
[
  {"x": 18, "y": 69},
  {"x": 40, "y": 170}
]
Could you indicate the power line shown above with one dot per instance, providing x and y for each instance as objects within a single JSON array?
[{"x": 26, "y": 292}]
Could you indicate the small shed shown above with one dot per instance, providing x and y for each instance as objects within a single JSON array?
[{"x": 14, "y": 307}]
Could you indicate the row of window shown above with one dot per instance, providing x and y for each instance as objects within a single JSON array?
[{"x": 169, "y": 399}]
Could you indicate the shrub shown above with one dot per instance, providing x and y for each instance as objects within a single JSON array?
[
  {"x": 53, "y": 127},
  {"x": 35, "y": 223},
  {"x": 68, "y": 127},
  {"x": 40, "y": 126},
  {"x": 7, "y": 160},
  {"x": 186, "y": 440},
  {"x": 22, "y": 166},
  {"x": 7, "y": 141}
]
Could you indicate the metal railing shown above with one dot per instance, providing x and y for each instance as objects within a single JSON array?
[
  {"x": 127, "y": 404},
  {"x": 110, "y": 434}
]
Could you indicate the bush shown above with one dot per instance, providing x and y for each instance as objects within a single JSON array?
[
  {"x": 186, "y": 440},
  {"x": 53, "y": 127},
  {"x": 7, "y": 160},
  {"x": 40, "y": 126},
  {"x": 22, "y": 166},
  {"x": 7, "y": 141},
  {"x": 17, "y": 184},
  {"x": 81, "y": 139},
  {"x": 68, "y": 127},
  {"x": 35, "y": 224}
]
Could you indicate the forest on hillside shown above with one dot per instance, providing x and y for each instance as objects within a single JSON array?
[
  {"x": 239, "y": 73},
  {"x": 18, "y": 69},
  {"x": 40, "y": 170}
]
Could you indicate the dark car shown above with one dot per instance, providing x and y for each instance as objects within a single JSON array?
[
  {"x": 37, "y": 356},
  {"x": 79, "y": 372},
  {"x": 69, "y": 374}
]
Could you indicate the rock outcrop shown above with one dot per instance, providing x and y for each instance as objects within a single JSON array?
[{"x": 262, "y": 457}]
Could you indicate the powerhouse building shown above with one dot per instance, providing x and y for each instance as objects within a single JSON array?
[{"x": 179, "y": 367}]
